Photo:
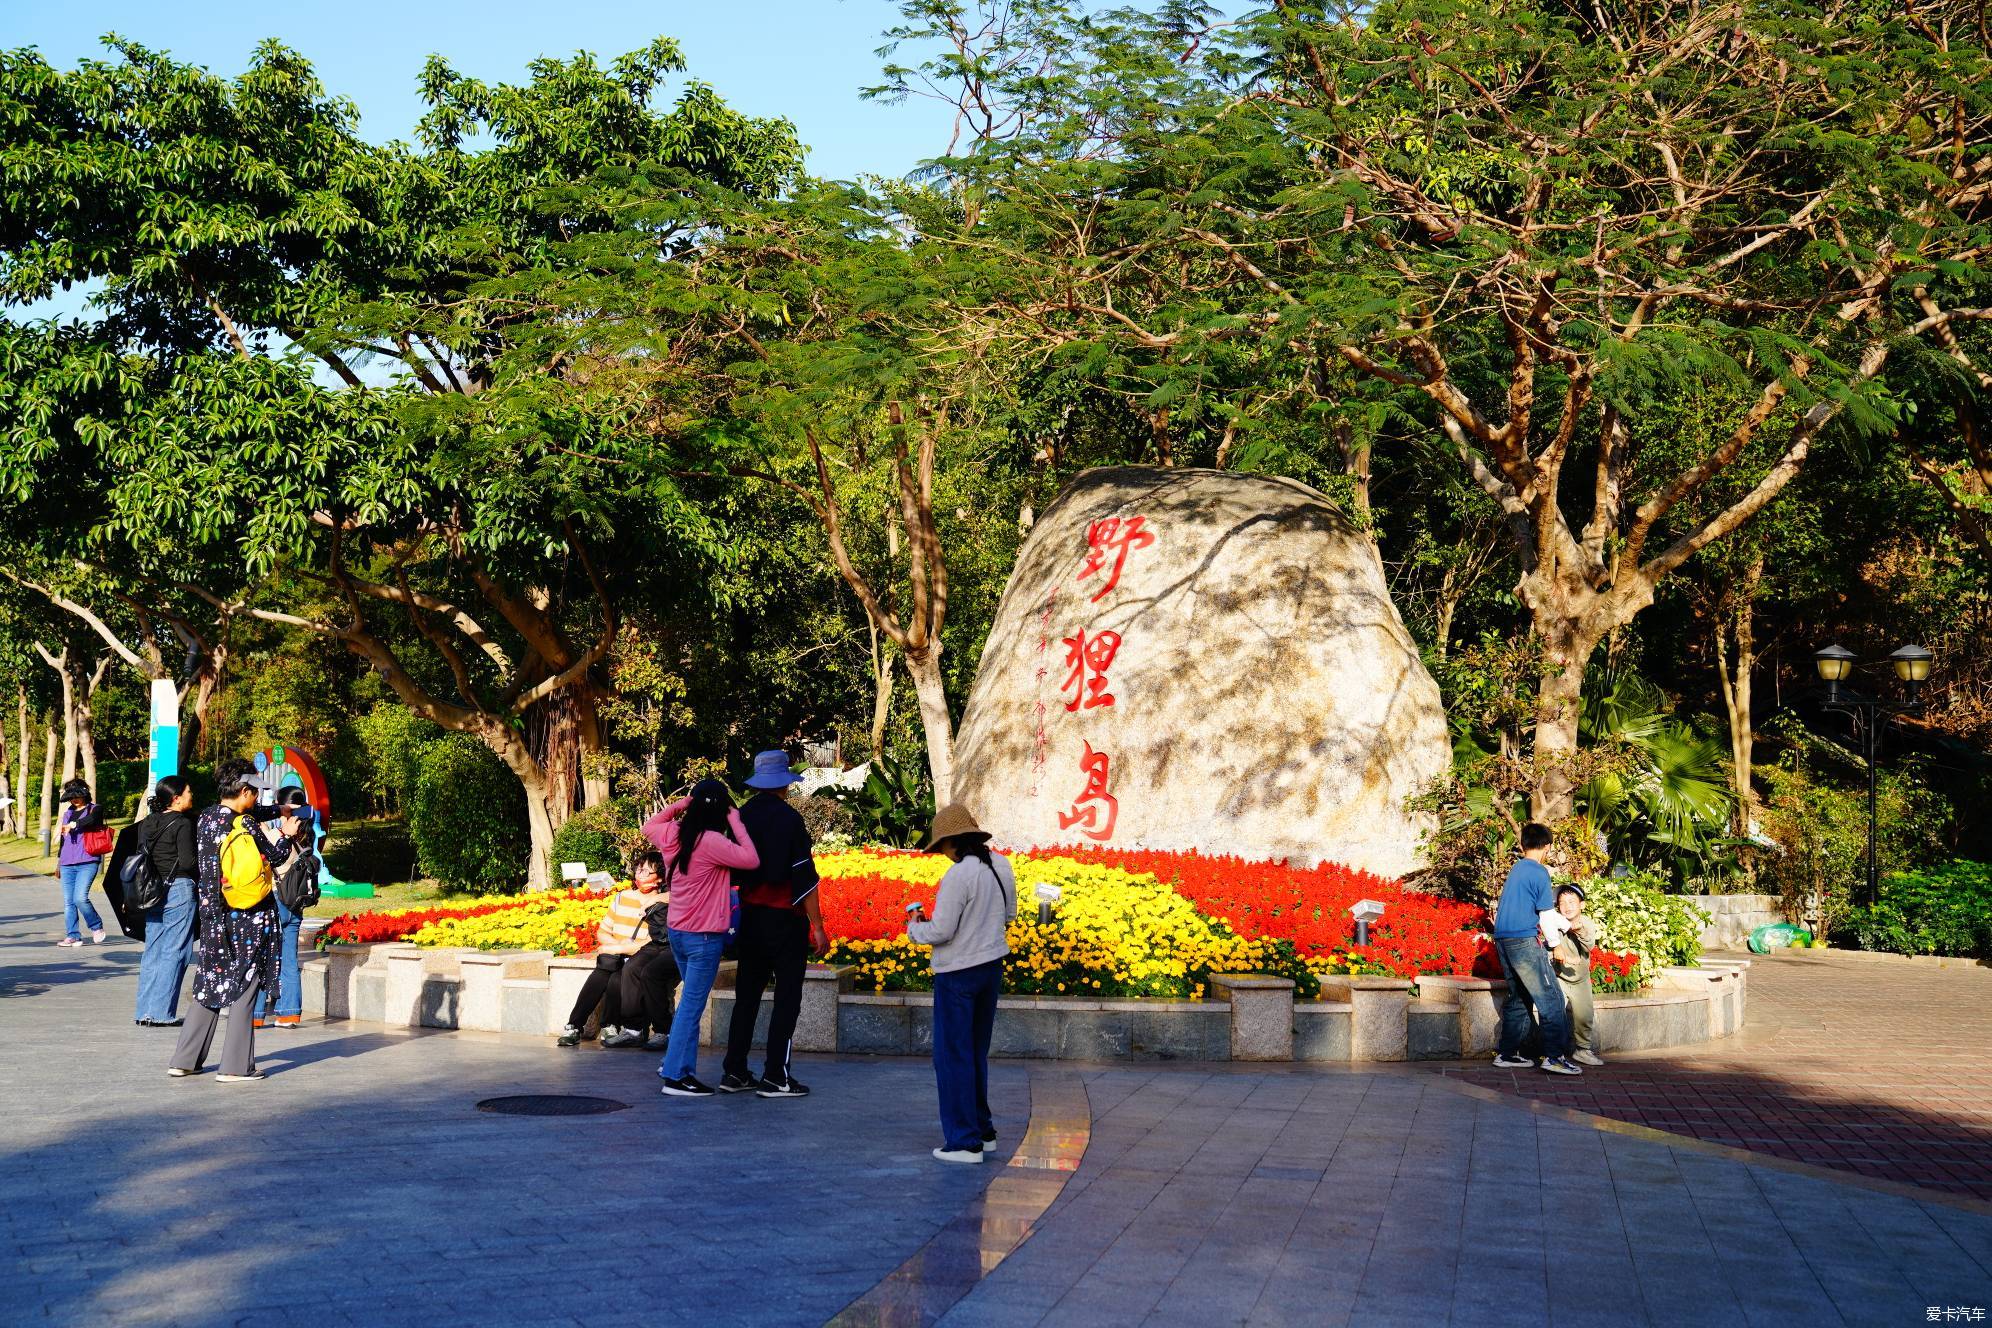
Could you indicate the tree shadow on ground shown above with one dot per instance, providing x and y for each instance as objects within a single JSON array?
[{"x": 1842, "y": 1123}]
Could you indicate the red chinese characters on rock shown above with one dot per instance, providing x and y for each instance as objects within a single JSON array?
[
  {"x": 1095, "y": 810},
  {"x": 1112, "y": 537},
  {"x": 1089, "y": 658}
]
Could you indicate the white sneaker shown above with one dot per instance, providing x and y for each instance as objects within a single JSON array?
[
  {"x": 175, "y": 1072},
  {"x": 607, "y": 1032},
  {"x": 1587, "y": 1058},
  {"x": 249, "y": 1078},
  {"x": 968, "y": 1157},
  {"x": 658, "y": 1042},
  {"x": 98, "y": 936},
  {"x": 68, "y": 943}
]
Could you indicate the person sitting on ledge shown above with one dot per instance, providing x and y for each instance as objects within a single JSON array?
[
  {"x": 620, "y": 934},
  {"x": 651, "y": 974}
]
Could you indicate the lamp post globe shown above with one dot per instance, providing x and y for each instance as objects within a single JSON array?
[
  {"x": 1835, "y": 665},
  {"x": 1912, "y": 665}
]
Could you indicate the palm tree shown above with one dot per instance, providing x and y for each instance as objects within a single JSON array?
[{"x": 1666, "y": 802}]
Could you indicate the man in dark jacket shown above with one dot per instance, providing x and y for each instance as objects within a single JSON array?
[{"x": 781, "y": 925}]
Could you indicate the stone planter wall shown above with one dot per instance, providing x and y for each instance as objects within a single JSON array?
[
  {"x": 1733, "y": 917},
  {"x": 1246, "y": 1016}
]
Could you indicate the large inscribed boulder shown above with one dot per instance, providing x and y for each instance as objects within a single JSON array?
[{"x": 1195, "y": 659}]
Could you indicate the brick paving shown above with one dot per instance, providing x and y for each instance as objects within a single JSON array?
[
  {"x": 1869, "y": 1064},
  {"x": 360, "y": 1185}
]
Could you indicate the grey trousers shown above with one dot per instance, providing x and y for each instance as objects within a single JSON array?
[
  {"x": 1577, "y": 999},
  {"x": 238, "y": 1049}
]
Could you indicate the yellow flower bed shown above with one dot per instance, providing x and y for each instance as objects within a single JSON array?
[
  {"x": 564, "y": 926},
  {"x": 1114, "y": 933}
]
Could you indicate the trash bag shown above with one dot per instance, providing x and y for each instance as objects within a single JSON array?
[{"x": 1777, "y": 936}]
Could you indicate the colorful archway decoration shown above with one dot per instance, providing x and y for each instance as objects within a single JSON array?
[{"x": 282, "y": 767}]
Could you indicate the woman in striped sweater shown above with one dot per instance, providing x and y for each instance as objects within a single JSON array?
[{"x": 620, "y": 934}]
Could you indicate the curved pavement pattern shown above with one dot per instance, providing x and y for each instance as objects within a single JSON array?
[
  {"x": 1871, "y": 1064},
  {"x": 359, "y": 1184}
]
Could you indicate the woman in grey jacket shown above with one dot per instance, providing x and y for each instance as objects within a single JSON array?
[{"x": 969, "y": 934}]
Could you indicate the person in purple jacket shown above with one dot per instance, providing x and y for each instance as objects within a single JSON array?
[{"x": 77, "y": 865}]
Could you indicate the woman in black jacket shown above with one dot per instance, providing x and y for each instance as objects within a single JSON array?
[{"x": 167, "y": 837}]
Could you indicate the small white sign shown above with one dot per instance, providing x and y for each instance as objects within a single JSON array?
[
  {"x": 1366, "y": 910},
  {"x": 1049, "y": 894},
  {"x": 601, "y": 880},
  {"x": 573, "y": 871}
]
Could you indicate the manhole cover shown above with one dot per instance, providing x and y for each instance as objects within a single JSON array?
[{"x": 551, "y": 1104}]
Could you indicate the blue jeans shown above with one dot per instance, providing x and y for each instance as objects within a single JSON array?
[
  {"x": 697, "y": 954},
  {"x": 964, "y": 1019},
  {"x": 76, "y": 878},
  {"x": 1531, "y": 982},
  {"x": 169, "y": 944},
  {"x": 290, "y": 991}
]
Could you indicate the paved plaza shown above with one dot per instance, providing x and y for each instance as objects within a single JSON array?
[
  {"x": 1873, "y": 1064},
  {"x": 361, "y": 1184}
]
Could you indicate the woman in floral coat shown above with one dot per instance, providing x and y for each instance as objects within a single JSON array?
[{"x": 237, "y": 951}]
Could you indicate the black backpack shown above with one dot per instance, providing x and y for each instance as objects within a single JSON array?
[
  {"x": 297, "y": 883},
  {"x": 143, "y": 889}
]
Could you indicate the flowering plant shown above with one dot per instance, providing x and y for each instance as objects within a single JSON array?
[{"x": 1611, "y": 972}]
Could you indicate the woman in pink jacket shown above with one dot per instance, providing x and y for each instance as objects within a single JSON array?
[{"x": 702, "y": 840}]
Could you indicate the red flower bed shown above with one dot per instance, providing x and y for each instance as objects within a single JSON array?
[
  {"x": 400, "y": 923},
  {"x": 1614, "y": 972},
  {"x": 869, "y": 907},
  {"x": 1309, "y": 906}
]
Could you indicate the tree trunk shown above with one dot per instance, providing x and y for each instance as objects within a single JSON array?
[
  {"x": 21, "y": 808},
  {"x": 206, "y": 687},
  {"x": 882, "y": 680},
  {"x": 925, "y": 670},
  {"x": 540, "y": 796},
  {"x": 86, "y": 722},
  {"x": 9, "y": 810},
  {"x": 588, "y": 727},
  {"x": 68, "y": 669},
  {"x": 1559, "y": 705},
  {"x": 1736, "y": 691},
  {"x": 48, "y": 787}
]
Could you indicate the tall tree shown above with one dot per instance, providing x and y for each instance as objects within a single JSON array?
[
  {"x": 1534, "y": 223},
  {"x": 426, "y": 469}
]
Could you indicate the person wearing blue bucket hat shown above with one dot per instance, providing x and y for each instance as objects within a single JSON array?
[{"x": 781, "y": 925}]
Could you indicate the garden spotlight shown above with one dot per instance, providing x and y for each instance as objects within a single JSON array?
[
  {"x": 1365, "y": 911},
  {"x": 1047, "y": 895}
]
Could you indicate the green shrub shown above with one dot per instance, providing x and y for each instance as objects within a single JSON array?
[
  {"x": 603, "y": 836},
  {"x": 392, "y": 739},
  {"x": 375, "y": 852},
  {"x": 1944, "y": 911},
  {"x": 1633, "y": 913},
  {"x": 468, "y": 818}
]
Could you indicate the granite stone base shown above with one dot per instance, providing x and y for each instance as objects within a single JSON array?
[{"x": 1247, "y": 1017}]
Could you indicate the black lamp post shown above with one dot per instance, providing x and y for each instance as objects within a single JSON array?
[{"x": 1835, "y": 665}]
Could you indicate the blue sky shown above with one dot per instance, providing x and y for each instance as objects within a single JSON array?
[{"x": 804, "y": 59}]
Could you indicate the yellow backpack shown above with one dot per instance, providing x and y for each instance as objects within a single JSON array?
[{"x": 245, "y": 873}]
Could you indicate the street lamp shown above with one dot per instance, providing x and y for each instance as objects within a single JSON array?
[
  {"x": 1835, "y": 664},
  {"x": 1365, "y": 912}
]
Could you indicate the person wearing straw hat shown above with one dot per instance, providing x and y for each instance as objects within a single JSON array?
[
  {"x": 969, "y": 933},
  {"x": 781, "y": 925}
]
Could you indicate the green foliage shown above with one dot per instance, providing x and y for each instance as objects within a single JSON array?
[
  {"x": 602, "y": 836},
  {"x": 1667, "y": 804},
  {"x": 1945, "y": 910},
  {"x": 468, "y": 819},
  {"x": 1816, "y": 813},
  {"x": 1634, "y": 913},
  {"x": 393, "y": 738},
  {"x": 895, "y": 806},
  {"x": 370, "y": 852}
]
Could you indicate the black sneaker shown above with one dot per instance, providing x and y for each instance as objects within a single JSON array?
[
  {"x": 989, "y": 1135},
  {"x": 686, "y": 1087},
  {"x": 1560, "y": 1065},
  {"x": 739, "y": 1083},
  {"x": 570, "y": 1036},
  {"x": 789, "y": 1087}
]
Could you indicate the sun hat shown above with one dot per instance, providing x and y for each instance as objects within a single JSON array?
[
  {"x": 952, "y": 822},
  {"x": 771, "y": 771}
]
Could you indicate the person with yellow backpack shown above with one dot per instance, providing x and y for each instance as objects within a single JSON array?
[{"x": 239, "y": 932}]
